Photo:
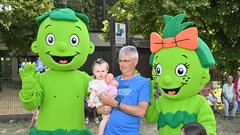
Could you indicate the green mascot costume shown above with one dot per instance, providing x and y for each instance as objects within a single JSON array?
[
  {"x": 181, "y": 62},
  {"x": 63, "y": 45}
]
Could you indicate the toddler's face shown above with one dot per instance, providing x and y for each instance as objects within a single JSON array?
[{"x": 100, "y": 71}]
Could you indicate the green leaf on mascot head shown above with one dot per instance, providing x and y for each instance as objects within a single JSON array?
[
  {"x": 65, "y": 14},
  {"x": 151, "y": 59},
  {"x": 204, "y": 54},
  {"x": 173, "y": 25},
  {"x": 180, "y": 73},
  {"x": 63, "y": 41}
]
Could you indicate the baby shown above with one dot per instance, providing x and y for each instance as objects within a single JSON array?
[{"x": 104, "y": 82}]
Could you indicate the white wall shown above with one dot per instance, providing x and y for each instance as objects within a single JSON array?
[{"x": 94, "y": 36}]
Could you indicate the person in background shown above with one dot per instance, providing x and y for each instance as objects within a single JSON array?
[
  {"x": 229, "y": 97},
  {"x": 40, "y": 66},
  {"x": 207, "y": 92},
  {"x": 34, "y": 118},
  {"x": 237, "y": 88},
  {"x": 23, "y": 62},
  {"x": 86, "y": 111}
]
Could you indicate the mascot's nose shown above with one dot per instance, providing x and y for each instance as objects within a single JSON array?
[
  {"x": 61, "y": 47},
  {"x": 167, "y": 80}
]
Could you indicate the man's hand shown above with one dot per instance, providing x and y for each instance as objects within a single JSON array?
[
  {"x": 157, "y": 94},
  {"x": 108, "y": 100},
  {"x": 104, "y": 109},
  {"x": 29, "y": 76}
]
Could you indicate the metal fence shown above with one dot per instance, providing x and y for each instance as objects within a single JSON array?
[{"x": 10, "y": 106}]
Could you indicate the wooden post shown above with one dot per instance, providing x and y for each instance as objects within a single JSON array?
[
  {"x": 113, "y": 46},
  {"x": 0, "y": 75},
  {"x": 126, "y": 26}
]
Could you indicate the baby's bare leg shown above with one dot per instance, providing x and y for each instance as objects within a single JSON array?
[{"x": 103, "y": 124}]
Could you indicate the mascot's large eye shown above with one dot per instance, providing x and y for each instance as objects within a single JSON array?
[
  {"x": 50, "y": 39},
  {"x": 158, "y": 69},
  {"x": 74, "y": 40},
  {"x": 181, "y": 70}
]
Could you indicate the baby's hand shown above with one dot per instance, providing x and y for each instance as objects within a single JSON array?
[{"x": 90, "y": 103}]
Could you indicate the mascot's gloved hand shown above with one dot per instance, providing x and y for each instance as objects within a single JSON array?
[{"x": 29, "y": 78}]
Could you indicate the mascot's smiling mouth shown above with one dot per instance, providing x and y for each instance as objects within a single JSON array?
[
  {"x": 62, "y": 59},
  {"x": 173, "y": 91}
]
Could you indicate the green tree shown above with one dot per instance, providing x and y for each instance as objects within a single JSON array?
[
  {"x": 225, "y": 34},
  {"x": 94, "y": 9},
  {"x": 17, "y": 22},
  {"x": 217, "y": 22}
]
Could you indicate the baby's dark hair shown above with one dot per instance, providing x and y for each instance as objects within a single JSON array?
[
  {"x": 194, "y": 128},
  {"x": 99, "y": 61}
]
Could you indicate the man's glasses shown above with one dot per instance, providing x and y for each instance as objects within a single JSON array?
[{"x": 125, "y": 61}]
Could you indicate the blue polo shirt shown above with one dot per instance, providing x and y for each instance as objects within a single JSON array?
[{"x": 130, "y": 92}]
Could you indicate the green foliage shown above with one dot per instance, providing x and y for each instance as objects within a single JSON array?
[
  {"x": 216, "y": 20},
  {"x": 224, "y": 34},
  {"x": 94, "y": 9},
  {"x": 81, "y": 6},
  {"x": 106, "y": 29},
  {"x": 18, "y": 26}
]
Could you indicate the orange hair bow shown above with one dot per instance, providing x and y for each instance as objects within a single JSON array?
[{"x": 187, "y": 39}]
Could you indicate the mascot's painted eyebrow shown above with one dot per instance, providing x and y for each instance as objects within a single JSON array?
[
  {"x": 47, "y": 26},
  {"x": 185, "y": 56},
  {"x": 78, "y": 28}
]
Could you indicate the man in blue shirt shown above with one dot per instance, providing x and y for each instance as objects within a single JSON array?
[{"x": 132, "y": 100}]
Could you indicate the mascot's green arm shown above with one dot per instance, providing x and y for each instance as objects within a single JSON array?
[
  {"x": 206, "y": 117},
  {"x": 152, "y": 113},
  {"x": 87, "y": 80},
  {"x": 31, "y": 98}
]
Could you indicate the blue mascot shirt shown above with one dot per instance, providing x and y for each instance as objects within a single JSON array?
[{"x": 130, "y": 92}]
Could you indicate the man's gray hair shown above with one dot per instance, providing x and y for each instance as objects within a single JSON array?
[{"x": 129, "y": 49}]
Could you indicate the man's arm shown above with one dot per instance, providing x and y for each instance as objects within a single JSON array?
[
  {"x": 224, "y": 93},
  {"x": 138, "y": 110}
]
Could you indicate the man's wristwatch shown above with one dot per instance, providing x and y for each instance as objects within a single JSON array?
[{"x": 118, "y": 105}]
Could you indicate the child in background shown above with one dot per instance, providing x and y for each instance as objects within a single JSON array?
[
  {"x": 193, "y": 128},
  {"x": 34, "y": 118},
  {"x": 104, "y": 82}
]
